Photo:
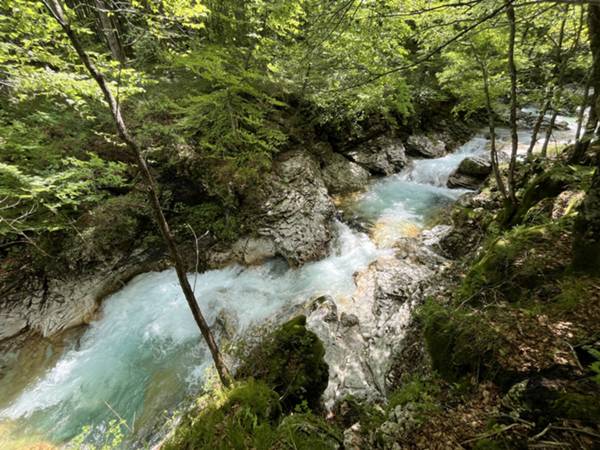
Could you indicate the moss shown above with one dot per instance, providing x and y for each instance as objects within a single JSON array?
[
  {"x": 307, "y": 432},
  {"x": 417, "y": 390},
  {"x": 578, "y": 406},
  {"x": 351, "y": 410},
  {"x": 573, "y": 291},
  {"x": 420, "y": 394},
  {"x": 249, "y": 416},
  {"x": 459, "y": 343},
  {"x": 245, "y": 419},
  {"x": 488, "y": 444},
  {"x": 290, "y": 360},
  {"x": 549, "y": 184},
  {"x": 517, "y": 261}
]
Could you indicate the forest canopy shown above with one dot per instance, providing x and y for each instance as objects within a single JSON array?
[{"x": 235, "y": 83}]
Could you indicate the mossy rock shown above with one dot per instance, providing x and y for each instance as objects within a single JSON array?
[
  {"x": 249, "y": 417},
  {"x": 245, "y": 418},
  {"x": 305, "y": 431},
  {"x": 578, "y": 406},
  {"x": 290, "y": 360},
  {"x": 458, "y": 342},
  {"x": 518, "y": 261},
  {"x": 550, "y": 184}
]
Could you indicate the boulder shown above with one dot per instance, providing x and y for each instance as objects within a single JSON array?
[
  {"x": 368, "y": 329},
  {"x": 290, "y": 361},
  {"x": 421, "y": 145},
  {"x": 341, "y": 175},
  {"x": 12, "y": 325},
  {"x": 380, "y": 156},
  {"x": 254, "y": 250},
  {"x": 460, "y": 181},
  {"x": 475, "y": 166},
  {"x": 291, "y": 211},
  {"x": 49, "y": 306},
  {"x": 470, "y": 174}
]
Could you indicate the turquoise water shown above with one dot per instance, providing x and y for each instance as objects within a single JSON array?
[{"x": 143, "y": 355}]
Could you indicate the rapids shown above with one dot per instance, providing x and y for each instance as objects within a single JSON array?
[{"x": 143, "y": 355}]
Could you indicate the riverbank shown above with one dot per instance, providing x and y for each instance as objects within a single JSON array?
[
  {"x": 329, "y": 171},
  {"x": 361, "y": 302}
]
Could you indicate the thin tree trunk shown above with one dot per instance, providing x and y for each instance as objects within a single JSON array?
[
  {"x": 544, "y": 150},
  {"x": 539, "y": 121},
  {"x": 549, "y": 93},
  {"x": 492, "y": 128},
  {"x": 562, "y": 59},
  {"x": 109, "y": 30},
  {"x": 584, "y": 106},
  {"x": 510, "y": 12},
  {"x": 56, "y": 10}
]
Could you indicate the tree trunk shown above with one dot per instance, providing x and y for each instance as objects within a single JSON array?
[
  {"x": 584, "y": 106},
  {"x": 590, "y": 131},
  {"x": 539, "y": 121},
  {"x": 492, "y": 128},
  {"x": 510, "y": 13},
  {"x": 56, "y": 10},
  {"x": 550, "y": 94},
  {"x": 549, "y": 134},
  {"x": 586, "y": 246},
  {"x": 109, "y": 30}
]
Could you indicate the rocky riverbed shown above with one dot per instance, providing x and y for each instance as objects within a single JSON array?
[{"x": 358, "y": 285}]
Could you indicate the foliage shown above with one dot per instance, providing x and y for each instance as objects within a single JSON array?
[
  {"x": 415, "y": 389},
  {"x": 113, "y": 226},
  {"x": 110, "y": 439},
  {"x": 43, "y": 202},
  {"x": 206, "y": 217}
]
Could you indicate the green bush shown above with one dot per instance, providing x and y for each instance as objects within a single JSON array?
[
  {"x": 115, "y": 225},
  {"x": 244, "y": 420},
  {"x": 211, "y": 217},
  {"x": 417, "y": 390}
]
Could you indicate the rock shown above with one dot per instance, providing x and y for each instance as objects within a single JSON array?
[
  {"x": 290, "y": 361},
  {"x": 326, "y": 307},
  {"x": 349, "y": 320},
  {"x": 460, "y": 181},
  {"x": 292, "y": 209},
  {"x": 352, "y": 438},
  {"x": 470, "y": 174},
  {"x": 475, "y": 166},
  {"x": 47, "y": 307},
  {"x": 226, "y": 324},
  {"x": 360, "y": 345},
  {"x": 342, "y": 176},
  {"x": 11, "y": 325},
  {"x": 566, "y": 202},
  {"x": 528, "y": 119},
  {"x": 425, "y": 146},
  {"x": 254, "y": 250},
  {"x": 381, "y": 156}
]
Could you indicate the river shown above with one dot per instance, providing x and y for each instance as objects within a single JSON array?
[{"x": 143, "y": 356}]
